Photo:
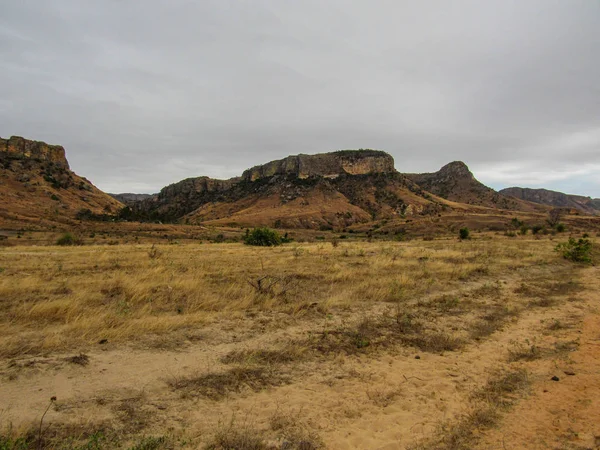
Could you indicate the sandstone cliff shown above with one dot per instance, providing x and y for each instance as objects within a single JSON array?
[
  {"x": 36, "y": 184},
  {"x": 20, "y": 148},
  {"x": 328, "y": 165}
]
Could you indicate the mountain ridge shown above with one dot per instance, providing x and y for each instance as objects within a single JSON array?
[{"x": 555, "y": 198}]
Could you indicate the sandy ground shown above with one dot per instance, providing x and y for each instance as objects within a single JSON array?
[
  {"x": 562, "y": 414},
  {"x": 385, "y": 400}
]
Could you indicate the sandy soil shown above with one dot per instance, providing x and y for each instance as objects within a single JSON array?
[
  {"x": 562, "y": 414},
  {"x": 384, "y": 400}
]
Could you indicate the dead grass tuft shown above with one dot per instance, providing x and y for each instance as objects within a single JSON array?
[
  {"x": 491, "y": 321},
  {"x": 293, "y": 433},
  {"x": 217, "y": 386},
  {"x": 524, "y": 352},
  {"x": 435, "y": 342},
  {"x": 503, "y": 387},
  {"x": 236, "y": 436},
  {"x": 82, "y": 359},
  {"x": 292, "y": 352}
]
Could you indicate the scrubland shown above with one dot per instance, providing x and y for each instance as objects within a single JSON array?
[{"x": 420, "y": 344}]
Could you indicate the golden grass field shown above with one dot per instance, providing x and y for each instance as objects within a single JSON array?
[{"x": 420, "y": 344}]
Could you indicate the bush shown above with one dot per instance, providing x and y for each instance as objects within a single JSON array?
[
  {"x": 463, "y": 233},
  {"x": 524, "y": 229},
  {"x": 576, "y": 250},
  {"x": 263, "y": 237},
  {"x": 68, "y": 239},
  {"x": 536, "y": 229},
  {"x": 561, "y": 228}
]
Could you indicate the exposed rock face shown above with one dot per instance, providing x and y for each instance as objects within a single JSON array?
[
  {"x": 328, "y": 165},
  {"x": 178, "y": 199},
  {"x": 36, "y": 185},
  {"x": 554, "y": 198},
  {"x": 21, "y": 148}
]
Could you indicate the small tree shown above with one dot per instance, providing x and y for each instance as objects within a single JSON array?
[
  {"x": 463, "y": 233},
  {"x": 263, "y": 237},
  {"x": 554, "y": 217},
  {"x": 561, "y": 228}
]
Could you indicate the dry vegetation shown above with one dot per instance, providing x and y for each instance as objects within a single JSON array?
[{"x": 242, "y": 330}]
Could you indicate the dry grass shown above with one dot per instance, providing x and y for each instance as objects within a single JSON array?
[
  {"x": 270, "y": 311},
  {"x": 524, "y": 352},
  {"x": 217, "y": 385},
  {"x": 289, "y": 353},
  {"x": 56, "y": 298},
  {"x": 499, "y": 393}
]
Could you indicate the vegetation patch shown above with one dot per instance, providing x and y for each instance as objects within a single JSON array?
[{"x": 217, "y": 386}]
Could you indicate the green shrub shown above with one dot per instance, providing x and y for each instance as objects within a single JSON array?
[
  {"x": 263, "y": 237},
  {"x": 68, "y": 239},
  {"x": 463, "y": 233},
  {"x": 576, "y": 250},
  {"x": 561, "y": 228},
  {"x": 536, "y": 229},
  {"x": 524, "y": 229}
]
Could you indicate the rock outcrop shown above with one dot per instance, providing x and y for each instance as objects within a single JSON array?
[
  {"x": 20, "y": 148},
  {"x": 328, "y": 165},
  {"x": 36, "y": 184},
  {"x": 555, "y": 199}
]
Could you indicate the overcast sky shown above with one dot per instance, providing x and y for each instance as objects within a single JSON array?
[{"x": 143, "y": 93}]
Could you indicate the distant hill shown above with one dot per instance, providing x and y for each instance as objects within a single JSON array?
[
  {"x": 587, "y": 205},
  {"x": 455, "y": 182},
  {"x": 36, "y": 183},
  {"x": 327, "y": 190},
  {"x": 129, "y": 198},
  {"x": 324, "y": 191}
]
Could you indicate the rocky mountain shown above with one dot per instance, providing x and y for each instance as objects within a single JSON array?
[
  {"x": 36, "y": 184},
  {"x": 587, "y": 205},
  {"x": 455, "y": 182},
  {"x": 310, "y": 191}
]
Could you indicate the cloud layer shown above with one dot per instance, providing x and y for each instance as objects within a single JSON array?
[{"x": 145, "y": 93}]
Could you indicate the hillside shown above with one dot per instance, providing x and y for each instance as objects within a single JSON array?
[
  {"x": 587, "y": 205},
  {"x": 326, "y": 190},
  {"x": 456, "y": 183},
  {"x": 37, "y": 184}
]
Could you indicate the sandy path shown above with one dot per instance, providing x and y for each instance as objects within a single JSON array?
[{"x": 561, "y": 414}]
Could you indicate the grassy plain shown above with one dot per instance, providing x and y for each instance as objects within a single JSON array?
[{"x": 421, "y": 344}]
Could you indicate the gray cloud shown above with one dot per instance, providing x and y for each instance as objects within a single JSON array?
[{"x": 145, "y": 93}]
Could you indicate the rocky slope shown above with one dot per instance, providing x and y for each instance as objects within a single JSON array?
[
  {"x": 37, "y": 184},
  {"x": 587, "y": 205},
  {"x": 311, "y": 191},
  {"x": 456, "y": 183}
]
